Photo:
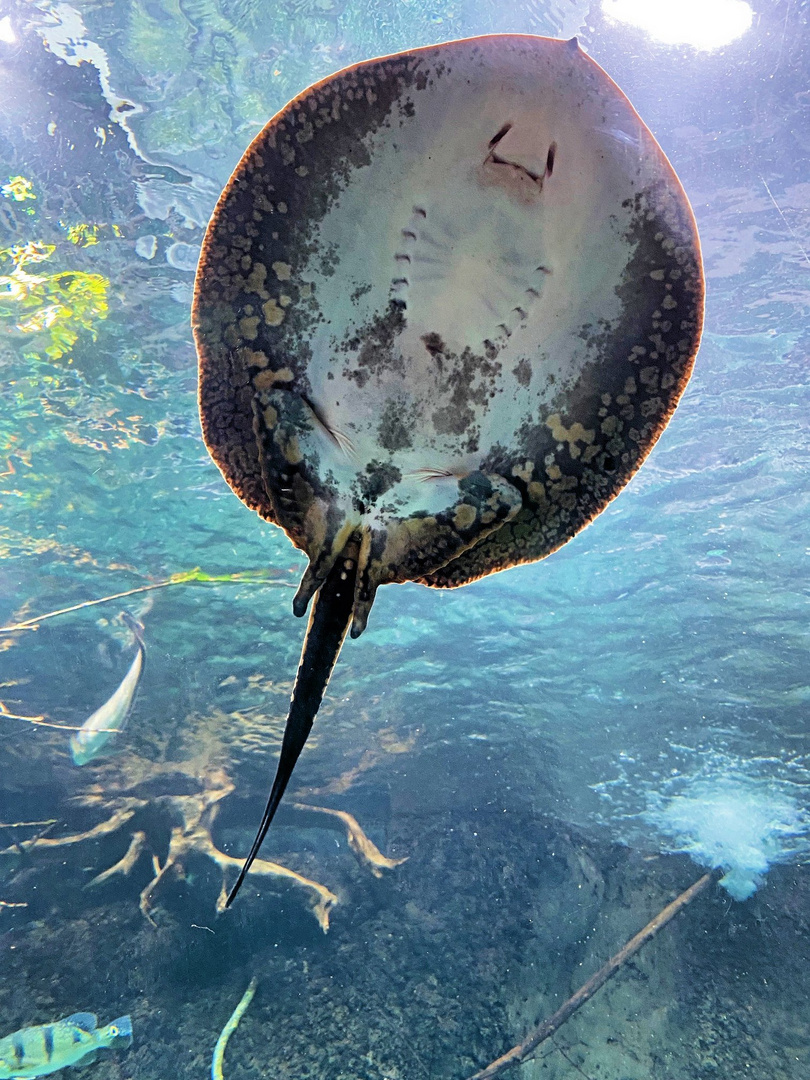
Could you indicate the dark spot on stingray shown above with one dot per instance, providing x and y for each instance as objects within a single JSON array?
[
  {"x": 360, "y": 291},
  {"x": 523, "y": 372},
  {"x": 393, "y": 432},
  {"x": 454, "y": 419},
  {"x": 378, "y": 479},
  {"x": 433, "y": 343}
]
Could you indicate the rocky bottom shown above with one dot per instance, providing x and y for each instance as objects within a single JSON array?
[{"x": 428, "y": 972}]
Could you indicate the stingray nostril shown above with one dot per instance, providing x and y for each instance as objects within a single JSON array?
[
  {"x": 497, "y": 138},
  {"x": 552, "y": 154}
]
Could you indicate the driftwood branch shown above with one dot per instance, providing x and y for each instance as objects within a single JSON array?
[
  {"x": 547, "y": 1028},
  {"x": 364, "y": 848},
  {"x": 125, "y": 864}
]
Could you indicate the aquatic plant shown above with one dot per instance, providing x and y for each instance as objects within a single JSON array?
[
  {"x": 19, "y": 189},
  {"x": 56, "y": 307},
  {"x": 228, "y": 1030},
  {"x": 86, "y": 234},
  {"x": 183, "y": 577}
]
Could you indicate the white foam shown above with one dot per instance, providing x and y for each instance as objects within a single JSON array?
[
  {"x": 739, "y": 823},
  {"x": 741, "y": 815}
]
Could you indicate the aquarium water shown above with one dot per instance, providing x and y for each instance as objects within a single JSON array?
[{"x": 506, "y": 781}]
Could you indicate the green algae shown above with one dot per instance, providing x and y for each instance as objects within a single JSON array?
[{"x": 53, "y": 307}]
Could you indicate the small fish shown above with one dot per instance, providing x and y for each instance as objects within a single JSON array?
[
  {"x": 37, "y": 1051},
  {"x": 111, "y": 718}
]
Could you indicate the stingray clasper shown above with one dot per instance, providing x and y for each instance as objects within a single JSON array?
[{"x": 445, "y": 306}]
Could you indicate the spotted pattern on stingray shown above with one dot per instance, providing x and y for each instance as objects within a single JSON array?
[{"x": 444, "y": 306}]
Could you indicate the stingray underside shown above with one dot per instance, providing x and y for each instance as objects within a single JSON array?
[{"x": 446, "y": 305}]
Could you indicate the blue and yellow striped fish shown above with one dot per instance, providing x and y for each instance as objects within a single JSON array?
[{"x": 37, "y": 1051}]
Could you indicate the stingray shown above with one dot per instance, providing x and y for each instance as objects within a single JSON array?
[{"x": 444, "y": 308}]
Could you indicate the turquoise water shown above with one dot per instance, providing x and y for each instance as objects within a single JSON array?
[{"x": 556, "y": 750}]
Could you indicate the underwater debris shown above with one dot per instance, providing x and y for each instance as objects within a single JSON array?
[
  {"x": 40, "y": 719},
  {"x": 124, "y": 864},
  {"x": 230, "y": 1027},
  {"x": 110, "y": 718},
  {"x": 191, "y": 819},
  {"x": 120, "y": 817},
  {"x": 193, "y": 834},
  {"x": 47, "y": 1048},
  {"x": 547, "y": 1028}
]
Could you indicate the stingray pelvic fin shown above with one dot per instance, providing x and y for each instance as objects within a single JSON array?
[{"x": 401, "y": 549}]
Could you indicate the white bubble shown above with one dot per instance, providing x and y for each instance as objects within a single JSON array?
[
  {"x": 7, "y": 30},
  {"x": 736, "y": 823},
  {"x": 183, "y": 256},
  {"x": 146, "y": 246},
  {"x": 726, "y": 812}
]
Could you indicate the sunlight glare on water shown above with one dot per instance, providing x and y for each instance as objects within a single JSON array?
[{"x": 704, "y": 24}]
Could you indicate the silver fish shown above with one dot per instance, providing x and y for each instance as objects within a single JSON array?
[
  {"x": 37, "y": 1051},
  {"x": 107, "y": 721}
]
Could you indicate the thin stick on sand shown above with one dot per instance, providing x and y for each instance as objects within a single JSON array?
[
  {"x": 547, "y": 1028},
  {"x": 228, "y": 1030}
]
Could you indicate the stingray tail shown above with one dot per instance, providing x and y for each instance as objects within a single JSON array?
[{"x": 326, "y": 630}]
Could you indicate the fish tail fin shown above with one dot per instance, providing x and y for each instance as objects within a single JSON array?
[
  {"x": 328, "y": 622},
  {"x": 135, "y": 626},
  {"x": 119, "y": 1032}
]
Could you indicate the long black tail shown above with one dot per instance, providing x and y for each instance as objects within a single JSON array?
[{"x": 328, "y": 623}]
